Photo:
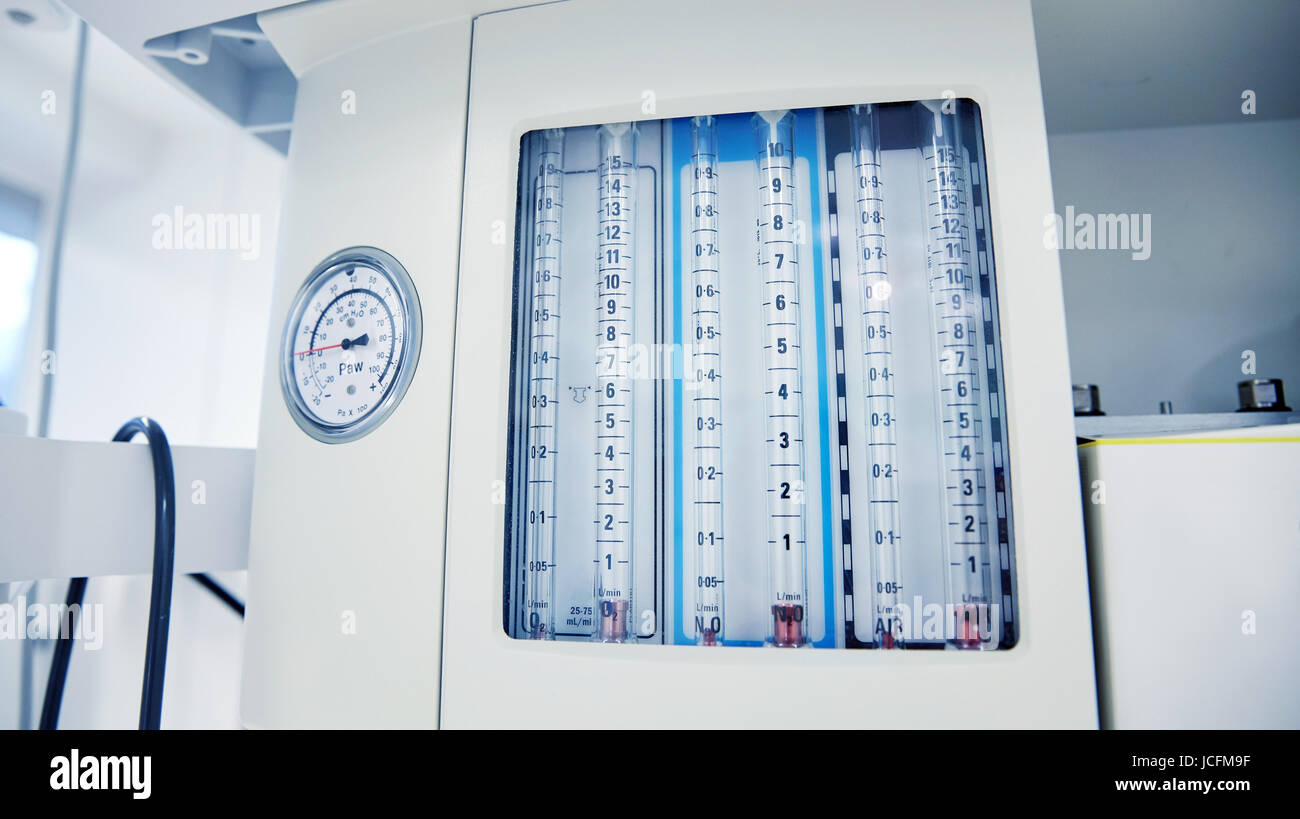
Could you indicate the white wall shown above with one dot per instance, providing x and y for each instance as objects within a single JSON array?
[
  {"x": 176, "y": 334},
  {"x": 1223, "y": 276},
  {"x": 179, "y": 335}
]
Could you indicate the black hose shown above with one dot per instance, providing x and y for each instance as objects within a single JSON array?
[
  {"x": 62, "y": 653},
  {"x": 220, "y": 591},
  {"x": 160, "y": 596}
]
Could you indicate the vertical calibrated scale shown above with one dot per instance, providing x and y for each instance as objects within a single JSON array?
[
  {"x": 955, "y": 317},
  {"x": 778, "y": 272},
  {"x": 548, "y": 204},
  {"x": 615, "y": 282},
  {"x": 707, "y": 380},
  {"x": 883, "y": 514}
]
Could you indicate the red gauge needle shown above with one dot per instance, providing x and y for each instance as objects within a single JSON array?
[
  {"x": 360, "y": 341},
  {"x": 319, "y": 349}
]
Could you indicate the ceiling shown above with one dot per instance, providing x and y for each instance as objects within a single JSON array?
[
  {"x": 1118, "y": 64},
  {"x": 1105, "y": 64}
]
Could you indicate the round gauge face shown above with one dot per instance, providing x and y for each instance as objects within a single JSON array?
[{"x": 351, "y": 344}]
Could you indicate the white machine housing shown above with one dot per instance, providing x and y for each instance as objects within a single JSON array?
[
  {"x": 379, "y": 604},
  {"x": 694, "y": 59},
  {"x": 1194, "y": 546}
]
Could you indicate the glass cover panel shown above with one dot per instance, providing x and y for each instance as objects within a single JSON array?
[{"x": 756, "y": 389}]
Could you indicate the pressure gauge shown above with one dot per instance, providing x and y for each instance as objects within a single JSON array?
[{"x": 350, "y": 345}]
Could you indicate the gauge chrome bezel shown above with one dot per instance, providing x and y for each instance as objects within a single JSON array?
[{"x": 409, "y": 305}]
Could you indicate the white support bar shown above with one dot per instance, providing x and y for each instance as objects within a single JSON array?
[{"x": 86, "y": 509}]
